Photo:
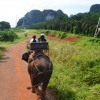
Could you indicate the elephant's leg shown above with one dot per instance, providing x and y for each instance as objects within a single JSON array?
[
  {"x": 45, "y": 84},
  {"x": 32, "y": 83},
  {"x": 38, "y": 92},
  {"x": 44, "y": 90},
  {"x": 31, "y": 77},
  {"x": 43, "y": 94},
  {"x": 33, "y": 90}
]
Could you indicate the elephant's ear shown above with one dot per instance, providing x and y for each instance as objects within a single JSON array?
[{"x": 25, "y": 57}]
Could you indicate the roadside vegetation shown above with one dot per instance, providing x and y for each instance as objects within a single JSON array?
[
  {"x": 9, "y": 37},
  {"x": 76, "y": 74}
]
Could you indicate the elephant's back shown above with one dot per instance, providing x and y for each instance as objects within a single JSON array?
[{"x": 43, "y": 64}]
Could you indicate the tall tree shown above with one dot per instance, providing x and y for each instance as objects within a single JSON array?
[{"x": 4, "y": 25}]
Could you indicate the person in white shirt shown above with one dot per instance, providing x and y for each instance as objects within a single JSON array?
[
  {"x": 42, "y": 38},
  {"x": 33, "y": 39},
  {"x": 33, "y": 53}
]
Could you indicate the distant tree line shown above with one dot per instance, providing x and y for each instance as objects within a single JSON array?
[{"x": 81, "y": 23}]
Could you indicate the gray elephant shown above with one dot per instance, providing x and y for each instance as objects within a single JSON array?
[{"x": 40, "y": 69}]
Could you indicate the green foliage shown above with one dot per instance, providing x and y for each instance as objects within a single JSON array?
[
  {"x": 4, "y": 25},
  {"x": 8, "y": 36},
  {"x": 0, "y": 55},
  {"x": 65, "y": 94},
  {"x": 76, "y": 74},
  {"x": 25, "y": 34},
  {"x": 81, "y": 23},
  {"x": 18, "y": 29},
  {"x": 95, "y": 89},
  {"x": 62, "y": 35},
  {"x": 2, "y": 49}
]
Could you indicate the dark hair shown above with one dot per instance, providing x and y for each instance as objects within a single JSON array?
[{"x": 43, "y": 38}]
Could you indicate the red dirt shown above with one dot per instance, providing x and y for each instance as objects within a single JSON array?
[
  {"x": 14, "y": 78},
  {"x": 66, "y": 39}
]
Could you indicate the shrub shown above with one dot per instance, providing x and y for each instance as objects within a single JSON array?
[
  {"x": 62, "y": 35},
  {"x": 8, "y": 36}
]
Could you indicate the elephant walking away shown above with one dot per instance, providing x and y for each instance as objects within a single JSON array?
[{"x": 40, "y": 69}]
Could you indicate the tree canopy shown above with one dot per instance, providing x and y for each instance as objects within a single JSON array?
[
  {"x": 81, "y": 23},
  {"x": 4, "y": 25}
]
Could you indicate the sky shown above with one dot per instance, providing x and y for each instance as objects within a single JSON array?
[{"x": 12, "y": 10}]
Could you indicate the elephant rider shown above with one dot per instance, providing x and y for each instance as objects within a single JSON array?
[
  {"x": 28, "y": 56},
  {"x": 42, "y": 38},
  {"x": 33, "y": 53},
  {"x": 33, "y": 39}
]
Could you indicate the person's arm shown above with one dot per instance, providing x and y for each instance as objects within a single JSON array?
[{"x": 31, "y": 40}]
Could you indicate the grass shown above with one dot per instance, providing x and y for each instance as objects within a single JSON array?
[
  {"x": 76, "y": 74},
  {"x": 2, "y": 49}
]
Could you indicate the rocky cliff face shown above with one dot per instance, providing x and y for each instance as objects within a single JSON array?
[
  {"x": 95, "y": 8},
  {"x": 35, "y": 16},
  {"x": 49, "y": 17}
]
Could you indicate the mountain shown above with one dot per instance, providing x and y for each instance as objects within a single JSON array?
[
  {"x": 95, "y": 8},
  {"x": 36, "y": 16}
]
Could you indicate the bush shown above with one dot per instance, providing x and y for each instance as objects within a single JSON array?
[
  {"x": 8, "y": 36},
  {"x": 2, "y": 49},
  {"x": 62, "y": 35},
  {"x": 0, "y": 56}
]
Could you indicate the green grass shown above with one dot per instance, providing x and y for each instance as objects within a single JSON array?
[
  {"x": 2, "y": 49},
  {"x": 76, "y": 74}
]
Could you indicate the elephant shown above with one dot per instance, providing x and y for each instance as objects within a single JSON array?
[{"x": 40, "y": 69}]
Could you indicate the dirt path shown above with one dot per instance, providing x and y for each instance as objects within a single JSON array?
[{"x": 14, "y": 77}]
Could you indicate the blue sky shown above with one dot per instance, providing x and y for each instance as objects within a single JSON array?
[{"x": 12, "y": 10}]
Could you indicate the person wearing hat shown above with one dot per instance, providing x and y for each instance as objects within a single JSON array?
[
  {"x": 42, "y": 38},
  {"x": 33, "y": 39},
  {"x": 33, "y": 53},
  {"x": 28, "y": 56}
]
